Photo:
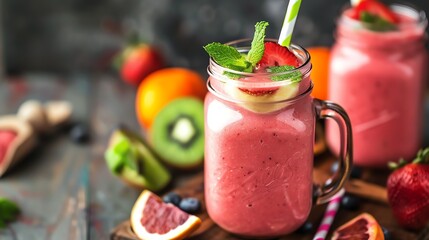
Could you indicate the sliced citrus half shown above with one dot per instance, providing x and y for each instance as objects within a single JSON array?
[
  {"x": 152, "y": 219},
  {"x": 362, "y": 227}
]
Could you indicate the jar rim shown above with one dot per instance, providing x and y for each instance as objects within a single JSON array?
[
  {"x": 216, "y": 71},
  {"x": 292, "y": 100}
]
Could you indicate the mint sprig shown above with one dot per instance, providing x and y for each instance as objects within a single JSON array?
[
  {"x": 9, "y": 211},
  {"x": 293, "y": 76},
  {"x": 376, "y": 23},
  {"x": 230, "y": 58},
  {"x": 227, "y": 56},
  {"x": 257, "y": 47}
]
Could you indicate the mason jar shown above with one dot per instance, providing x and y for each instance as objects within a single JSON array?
[
  {"x": 378, "y": 77},
  {"x": 259, "y": 137}
]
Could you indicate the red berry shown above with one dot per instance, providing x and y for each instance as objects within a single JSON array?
[
  {"x": 276, "y": 55},
  {"x": 258, "y": 93},
  {"x": 353, "y": 14},
  {"x": 408, "y": 194},
  {"x": 376, "y": 8},
  {"x": 139, "y": 63},
  {"x": 6, "y": 138}
]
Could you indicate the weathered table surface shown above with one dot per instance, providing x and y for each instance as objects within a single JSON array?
[{"x": 64, "y": 189}]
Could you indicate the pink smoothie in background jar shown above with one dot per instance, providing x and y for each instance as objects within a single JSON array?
[
  {"x": 378, "y": 77},
  {"x": 259, "y": 152}
]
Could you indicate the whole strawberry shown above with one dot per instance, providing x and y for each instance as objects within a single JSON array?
[
  {"x": 138, "y": 62},
  {"x": 408, "y": 191}
]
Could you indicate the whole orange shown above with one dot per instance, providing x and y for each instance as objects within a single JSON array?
[
  {"x": 163, "y": 86},
  {"x": 319, "y": 73}
]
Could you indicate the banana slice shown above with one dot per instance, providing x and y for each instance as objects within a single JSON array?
[{"x": 261, "y": 100}]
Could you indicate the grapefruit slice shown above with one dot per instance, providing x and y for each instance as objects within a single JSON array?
[
  {"x": 6, "y": 138},
  {"x": 362, "y": 227},
  {"x": 152, "y": 219}
]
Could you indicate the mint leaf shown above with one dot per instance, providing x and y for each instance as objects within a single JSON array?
[
  {"x": 122, "y": 146},
  {"x": 226, "y": 56},
  {"x": 123, "y": 153},
  {"x": 235, "y": 76},
  {"x": 376, "y": 23},
  {"x": 114, "y": 161},
  {"x": 229, "y": 57},
  {"x": 231, "y": 75},
  {"x": 293, "y": 76},
  {"x": 9, "y": 211},
  {"x": 131, "y": 159},
  {"x": 257, "y": 48}
]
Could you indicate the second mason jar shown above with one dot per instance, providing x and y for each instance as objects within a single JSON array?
[{"x": 378, "y": 77}]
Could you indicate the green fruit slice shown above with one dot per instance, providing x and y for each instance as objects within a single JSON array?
[
  {"x": 177, "y": 133},
  {"x": 9, "y": 211},
  {"x": 130, "y": 158}
]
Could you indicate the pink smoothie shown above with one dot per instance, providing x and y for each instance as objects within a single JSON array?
[
  {"x": 378, "y": 77},
  {"x": 258, "y": 167}
]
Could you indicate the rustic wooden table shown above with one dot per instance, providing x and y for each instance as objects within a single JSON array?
[{"x": 65, "y": 189}]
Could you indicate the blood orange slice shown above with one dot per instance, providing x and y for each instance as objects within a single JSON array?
[
  {"x": 6, "y": 138},
  {"x": 363, "y": 227},
  {"x": 153, "y": 219}
]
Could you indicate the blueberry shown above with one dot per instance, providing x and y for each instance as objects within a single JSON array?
[
  {"x": 190, "y": 205},
  {"x": 172, "y": 198},
  {"x": 334, "y": 167},
  {"x": 307, "y": 227},
  {"x": 79, "y": 133},
  {"x": 356, "y": 172},
  {"x": 387, "y": 234},
  {"x": 350, "y": 202}
]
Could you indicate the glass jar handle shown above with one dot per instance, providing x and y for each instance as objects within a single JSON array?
[{"x": 325, "y": 110}]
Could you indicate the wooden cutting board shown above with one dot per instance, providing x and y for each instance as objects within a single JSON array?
[{"x": 376, "y": 206}]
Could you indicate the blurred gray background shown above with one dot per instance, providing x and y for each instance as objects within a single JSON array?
[{"x": 81, "y": 35}]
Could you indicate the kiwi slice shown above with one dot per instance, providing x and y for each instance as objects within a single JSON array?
[
  {"x": 130, "y": 158},
  {"x": 177, "y": 133}
]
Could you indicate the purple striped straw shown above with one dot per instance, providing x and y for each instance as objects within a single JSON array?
[{"x": 329, "y": 216}]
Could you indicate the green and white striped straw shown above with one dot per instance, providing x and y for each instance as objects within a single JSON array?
[{"x": 289, "y": 22}]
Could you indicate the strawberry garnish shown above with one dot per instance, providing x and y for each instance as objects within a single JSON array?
[
  {"x": 353, "y": 13},
  {"x": 258, "y": 93},
  {"x": 276, "y": 55},
  {"x": 375, "y": 8},
  {"x": 408, "y": 191}
]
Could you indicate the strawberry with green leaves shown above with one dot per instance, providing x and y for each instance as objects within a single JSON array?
[
  {"x": 374, "y": 15},
  {"x": 9, "y": 211},
  {"x": 408, "y": 191}
]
